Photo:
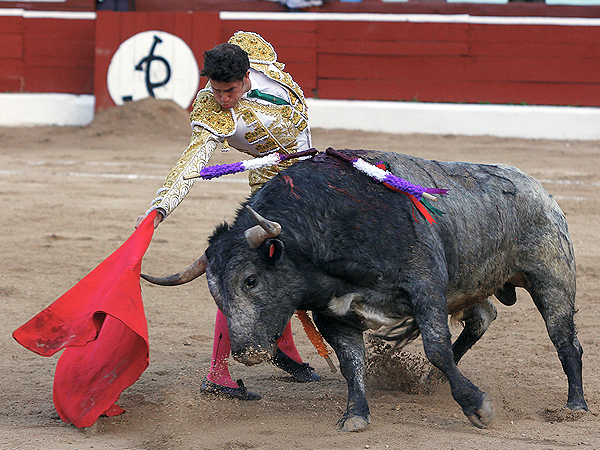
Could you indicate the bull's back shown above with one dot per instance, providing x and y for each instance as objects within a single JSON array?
[
  {"x": 494, "y": 214},
  {"x": 488, "y": 193},
  {"x": 499, "y": 221}
]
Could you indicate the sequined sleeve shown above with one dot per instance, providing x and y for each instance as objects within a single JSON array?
[{"x": 195, "y": 157}]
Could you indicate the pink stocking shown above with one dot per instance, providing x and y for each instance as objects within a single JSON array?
[
  {"x": 286, "y": 344},
  {"x": 219, "y": 366}
]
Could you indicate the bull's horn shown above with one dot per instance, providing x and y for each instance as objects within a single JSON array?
[
  {"x": 189, "y": 274},
  {"x": 264, "y": 230}
]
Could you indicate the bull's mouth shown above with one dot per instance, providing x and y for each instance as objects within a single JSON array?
[{"x": 250, "y": 357}]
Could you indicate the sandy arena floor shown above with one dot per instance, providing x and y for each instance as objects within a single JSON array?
[{"x": 70, "y": 196}]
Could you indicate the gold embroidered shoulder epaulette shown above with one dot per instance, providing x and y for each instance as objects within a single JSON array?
[
  {"x": 273, "y": 72},
  {"x": 208, "y": 114},
  {"x": 263, "y": 58},
  {"x": 259, "y": 51}
]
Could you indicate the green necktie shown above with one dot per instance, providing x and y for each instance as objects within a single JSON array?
[{"x": 268, "y": 97}]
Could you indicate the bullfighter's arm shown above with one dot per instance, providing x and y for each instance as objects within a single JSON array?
[{"x": 195, "y": 157}]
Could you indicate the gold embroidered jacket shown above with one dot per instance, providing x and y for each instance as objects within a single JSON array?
[{"x": 253, "y": 126}]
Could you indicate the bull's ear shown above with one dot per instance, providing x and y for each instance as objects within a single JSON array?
[{"x": 271, "y": 251}]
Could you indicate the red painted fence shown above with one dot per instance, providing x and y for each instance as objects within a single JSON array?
[
  {"x": 43, "y": 54},
  {"x": 441, "y": 59},
  {"x": 459, "y": 62}
]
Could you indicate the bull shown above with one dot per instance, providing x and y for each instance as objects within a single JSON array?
[{"x": 331, "y": 240}]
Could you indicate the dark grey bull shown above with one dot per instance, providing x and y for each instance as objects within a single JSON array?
[{"x": 351, "y": 251}]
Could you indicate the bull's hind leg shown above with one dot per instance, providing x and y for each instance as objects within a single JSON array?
[
  {"x": 476, "y": 321},
  {"x": 432, "y": 317},
  {"x": 554, "y": 295}
]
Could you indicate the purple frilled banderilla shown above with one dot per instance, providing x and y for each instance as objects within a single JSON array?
[
  {"x": 386, "y": 177},
  {"x": 228, "y": 169}
]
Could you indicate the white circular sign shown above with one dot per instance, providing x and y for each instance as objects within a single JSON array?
[{"x": 153, "y": 64}]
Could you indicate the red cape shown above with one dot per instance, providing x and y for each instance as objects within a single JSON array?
[{"x": 100, "y": 322}]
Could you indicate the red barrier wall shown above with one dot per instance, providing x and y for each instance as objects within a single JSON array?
[
  {"x": 438, "y": 62},
  {"x": 59, "y": 55},
  {"x": 553, "y": 64},
  {"x": 41, "y": 54},
  {"x": 11, "y": 54},
  {"x": 457, "y": 62}
]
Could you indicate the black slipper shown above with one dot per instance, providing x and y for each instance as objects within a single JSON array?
[
  {"x": 301, "y": 372},
  {"x": 241, "y": 393}
]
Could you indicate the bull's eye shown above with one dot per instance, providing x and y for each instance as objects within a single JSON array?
[{"x": 250, "y": 281}]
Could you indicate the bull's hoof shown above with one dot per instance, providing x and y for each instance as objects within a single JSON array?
[
  {"x": 484, "y": 414},
  {"x": 354, "y": 423},
  {"x": 578, "y": 406}
]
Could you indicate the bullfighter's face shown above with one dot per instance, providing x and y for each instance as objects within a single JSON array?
[{"x": 228, "y": 94}]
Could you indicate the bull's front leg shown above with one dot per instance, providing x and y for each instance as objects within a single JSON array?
[
  {"x": 348, "y": 344},
  {"x": 432, "y": 317}
]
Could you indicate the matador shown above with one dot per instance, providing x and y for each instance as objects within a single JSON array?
[{"x": 252, "y": 105}]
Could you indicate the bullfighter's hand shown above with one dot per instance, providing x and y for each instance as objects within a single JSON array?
[{"x": 158, "y": 219}]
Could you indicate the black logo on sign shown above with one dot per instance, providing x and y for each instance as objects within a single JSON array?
[{"x": 147, "y": 61}]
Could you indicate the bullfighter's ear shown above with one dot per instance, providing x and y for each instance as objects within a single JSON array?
[{"x": 271, "y": 251}]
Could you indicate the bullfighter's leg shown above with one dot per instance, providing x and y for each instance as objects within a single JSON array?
[
  {"x": 348, "y": 344},
  {"x": 476, "y": 321},
  {"x": 219, "y": 381},
  {"x": 218, "y": 372},
  {"x": 219, "y": 378},
  {"x": 288, "y": 359},
  {"x": 432, "y": 318},
  {"x": 555, "y": 299},
  {"x": 286, "y": 344}
]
